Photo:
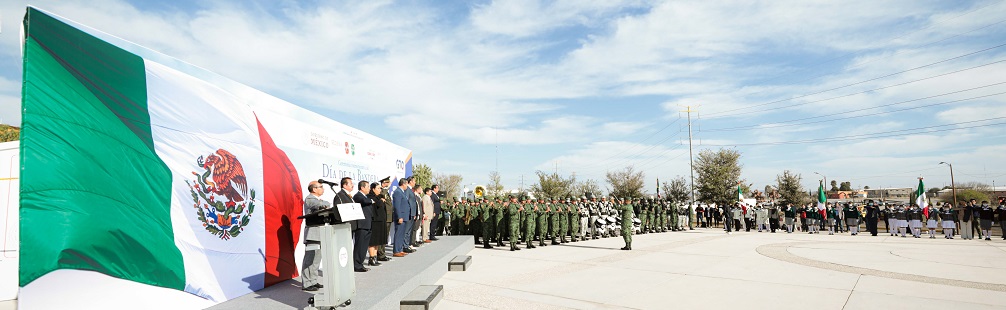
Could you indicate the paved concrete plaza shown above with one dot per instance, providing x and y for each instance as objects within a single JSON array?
[{"x": 708, "y": 269}]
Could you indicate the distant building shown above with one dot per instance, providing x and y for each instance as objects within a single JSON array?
[
  {"x": 861, "y": 194},
  {"x": 890, "y": 194}
]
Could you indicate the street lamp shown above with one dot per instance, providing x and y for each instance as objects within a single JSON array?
[
  {"x": 825, "y": 178},
  {"x": 953, "y": 186}
]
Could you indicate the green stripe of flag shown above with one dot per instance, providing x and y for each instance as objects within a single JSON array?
[{"x": 85, "y": 107}]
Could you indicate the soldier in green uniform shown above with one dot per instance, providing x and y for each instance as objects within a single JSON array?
[
  {"x": 573, "y": 218},
  {"x": 543, "y": 216},
  {"x": 522, "y": 220},
  {"x": 485, "y": 210},
  {"x": 499, "y": 212},
  {"x": 514, "y": 209},
  {"x": 563, "y": 220},
  {"x": 658, "y": 213},
  {"x": 645, "y": 217},
  {"x": 531, "y": 212},
  {"x": 626, "y": 212},
  {"x": 476, "y": 221},
  {"x": 673, "y": 210}
]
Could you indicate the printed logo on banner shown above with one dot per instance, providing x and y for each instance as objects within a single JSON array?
[
  {"x": 320, "y": 140},
  {"x": 347, "y": 148},
  {"x": 219, "y": 195},
  {"x": 400, "y": 164}
]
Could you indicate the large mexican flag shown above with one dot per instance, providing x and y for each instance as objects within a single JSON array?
[{"x": 141, "y": 172}]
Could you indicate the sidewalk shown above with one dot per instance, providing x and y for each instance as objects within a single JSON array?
[{"x": 708, "y": 269}]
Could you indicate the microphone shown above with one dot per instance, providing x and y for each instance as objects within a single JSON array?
[{"x": 322, "y": 181}]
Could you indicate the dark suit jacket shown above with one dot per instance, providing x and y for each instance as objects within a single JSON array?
[
  {"x": 400, "y": 203},
  {"x": 340, "y": 198},
  {"x": 436, "y": 203},
  {"x": 413, "y": 203},
  {"x": 367, "y": 206},
  {"x": 380, "y": 208}
]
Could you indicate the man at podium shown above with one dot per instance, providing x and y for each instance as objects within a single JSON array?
[{"x": 312, "y": 235}]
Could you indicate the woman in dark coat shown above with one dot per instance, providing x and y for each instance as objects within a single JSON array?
[{"x": 378, "y": 231}]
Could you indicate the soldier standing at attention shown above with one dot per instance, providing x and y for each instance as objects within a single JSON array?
[
  {"x": 529, "y": 219},
  {"x": 487, "y": 224},
  {"x": 573, "y": 216},
  {"x": 563, "y": 222},
  {"x": 500, "y": 213},
  {"x": 544, "y": 213},
  {"x": 626, "y": 210},
  {"x": 514, "y": 210}
]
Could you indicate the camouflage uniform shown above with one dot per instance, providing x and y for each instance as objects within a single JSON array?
[
  {"x": 514, "y": 211},
  {"x": 488, "y": 231},
  {"x": 626, "y": 213},
  {"x": 529, "y": 221},
  {"x": 542, "y": 224}
]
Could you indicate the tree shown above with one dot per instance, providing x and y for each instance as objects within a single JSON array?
[
  {"x": 586, "y": 186},
  {"x": 866, "y": 187},
  {"x": 677, "y": 190},
  {"x": 790, "y": 188},
  {"x": 423, "y": 175},
  {"x": 933, "y": 191},
  {"x": 625, "y": 183},
  {"x": 834, "y": 186},
  {"x": 495, "y": 186},
  {"x": 9, "y": 133},
  {"x": 966, "y": 194},
  {"x": 845, "y": 186},
  {"x": 718, "y": 172},
  {"x": 552, "y": 185},
  {"x": 450, "y": 184}
]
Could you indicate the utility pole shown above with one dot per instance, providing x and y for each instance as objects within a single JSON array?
[
  {"x": 691, "y": 169},
  {"x": 522, "y": 183}
]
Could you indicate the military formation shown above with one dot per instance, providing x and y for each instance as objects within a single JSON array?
[{"x": 503, "y": 221}]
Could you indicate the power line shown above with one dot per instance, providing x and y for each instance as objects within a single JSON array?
[
  {"x": 788, "y": 123},
  {"x": 853, "y": 84},
  {"x": 830, "y": 60},
  {"x": 875, "y": 134}
]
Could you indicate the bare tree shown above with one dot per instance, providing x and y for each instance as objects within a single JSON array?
[
  {"x": 495, "y": 186},
  {"x": 552, "y": 185},
  {"x": 586, "y": 186},
  {"x": 625, "y": 183},
  {"x": 450, "y": 184},
  {"x": 677, "y": 190}
]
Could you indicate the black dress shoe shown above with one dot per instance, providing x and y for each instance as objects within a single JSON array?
[
  {"x": 364, "y": 269},
  {"x": 319, "y": 286},
  {"x": 434, "y": 239},
  {"x": 384, "y": 259},
  {"x": 408, "y": 250},
  {"x": 311, "y": 288}
]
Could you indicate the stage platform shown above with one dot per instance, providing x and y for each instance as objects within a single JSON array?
[{"x": 380, "y": 288}]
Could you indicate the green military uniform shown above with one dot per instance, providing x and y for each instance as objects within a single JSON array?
[
  {"x": 542, "y": 223},
  {"x": 514, "y": 210},
  {"x": 563, "y": 225},
  {"x": 574, "y": 222},
  {"x": 476, "y": 227},
  {"x": 626, "y": 212},
  {"x": 488, "y": 226},
  {"x": 499, "y": 212},
  {"x": 644, "y": 217},
  {"x": 530, "y": 216}
]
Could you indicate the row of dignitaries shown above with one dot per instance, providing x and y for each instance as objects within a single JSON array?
[{"x": 383, "y": 208}]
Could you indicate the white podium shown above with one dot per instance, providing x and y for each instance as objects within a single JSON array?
[{"x": 337, "y": 263}]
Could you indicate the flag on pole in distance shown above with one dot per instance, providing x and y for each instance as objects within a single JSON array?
[
  {"x": 920, "y": 198},
  {"x": 822, "y": 200},
  {"x": 658, "y": 188},
  {"x": 141, "y": 172}
]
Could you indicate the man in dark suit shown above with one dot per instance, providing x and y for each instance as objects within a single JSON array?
[
  {"x": 414, "y": 213},
  {"x": 342, "y": 197},
  {"x": 361, "y": 239},
  {"x": 434, "y": 220},
  {"x": 400, "y": 202}
]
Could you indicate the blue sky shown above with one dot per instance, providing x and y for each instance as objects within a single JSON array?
[{"x": 836, "y": 87}]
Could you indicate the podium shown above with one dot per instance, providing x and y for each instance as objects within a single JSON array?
[{"x": 339, "y": 278}]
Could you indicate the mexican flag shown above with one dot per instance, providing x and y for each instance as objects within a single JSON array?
[
  {"x": 920, "y": 198},
  {"x": 141, "y": 172},
  {"x": 740, "y": 197},
  {"x": 822, "y": 200}
]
